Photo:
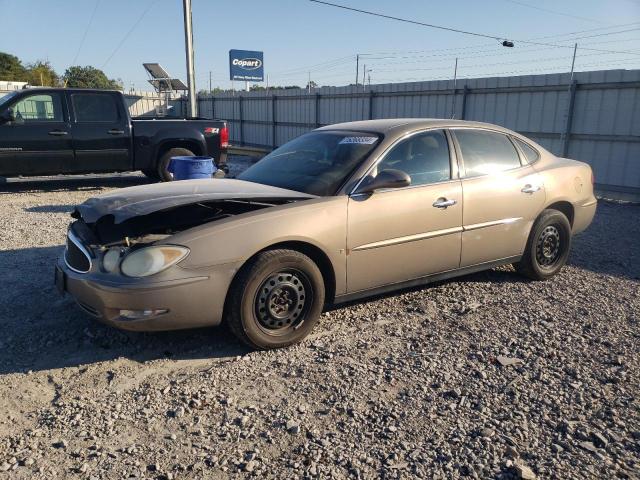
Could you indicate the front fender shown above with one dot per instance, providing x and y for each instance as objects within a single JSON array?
[{"x": 320, "y": 222}]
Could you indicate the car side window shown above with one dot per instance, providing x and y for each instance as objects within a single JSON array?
[
  {"x": 95, "y": 107},
  {"x": 530, "y": 153},
  {"x": 424, "y": 157},
  {"x": 39, "y": 108},
  {"x": 485, "y": 153}
]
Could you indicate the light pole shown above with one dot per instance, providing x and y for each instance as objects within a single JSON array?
[{"x": 188, "y": 43}]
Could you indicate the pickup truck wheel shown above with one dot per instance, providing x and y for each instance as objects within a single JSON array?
[
  {"x": 275, "y": 300},
  {"x": 151, "y": 174},
  {"x": 548, "y": 246},
  {"x": 163, "y": 162}
]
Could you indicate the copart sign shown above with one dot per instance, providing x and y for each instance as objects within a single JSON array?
[{"x": 246, "y": 65}]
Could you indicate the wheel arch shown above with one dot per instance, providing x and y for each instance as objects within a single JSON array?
[
  {"x": 315, "y": 253},
  {"x": 167, "y": 145},
  {"x": 565, "y": 208}
]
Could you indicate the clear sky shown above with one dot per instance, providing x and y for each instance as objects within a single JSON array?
[{"x": 299, "y": 37}]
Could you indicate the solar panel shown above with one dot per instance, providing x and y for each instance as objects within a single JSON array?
[
  {"x": 161, "y": 80},
  {"x": 155, "y": 70},
  {"x": 177, "y": 84}
]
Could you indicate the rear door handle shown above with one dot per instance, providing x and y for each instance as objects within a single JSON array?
[
  {"x": 443, "y": 203},
  {"x": 58, "y": 133},
  {"x": 115, "y": 131},
  {"x": 530, "y": 188}
]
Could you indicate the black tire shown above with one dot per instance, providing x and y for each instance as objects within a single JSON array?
[
  {"x": 163, "y": 162},
  {"x": 271, "y": 281},
  {"x": 548, "y": 246},
  {"x": 151, "y": 174}
]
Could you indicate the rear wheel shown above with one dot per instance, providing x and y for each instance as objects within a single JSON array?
[
  {"x": 548, "y": 246},
  {"x": 276, "y": 299},
  {"x": 162, "y": 171}
]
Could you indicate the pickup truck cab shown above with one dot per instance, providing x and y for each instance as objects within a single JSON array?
[{"x": 47, "y": 131}]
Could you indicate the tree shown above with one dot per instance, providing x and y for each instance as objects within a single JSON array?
[
  {"x": 11, "y": 68},
  {"x": 41, "y": 73},
  {"x": 312, "y": 84},
  {"x": 88, "y": 77}
]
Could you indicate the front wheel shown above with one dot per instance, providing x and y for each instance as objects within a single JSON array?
[
  {"x": 548, "y": 246},
  {"x": 276, "y": 299}
]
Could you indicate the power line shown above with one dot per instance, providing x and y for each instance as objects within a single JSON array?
[
  {"x": 338, "y": 60},
  {"x": 493, "y": 52},
  {"x": 133, "y": 27},
  {"x": 555, "y": 12},
  {"x": 485, "y": 75},
  {"x": 453, "y": 29},
  {"x": 569, "y": 34},
  {"x": 84, "y": 36},
  {"x": 415, "y": 22}
]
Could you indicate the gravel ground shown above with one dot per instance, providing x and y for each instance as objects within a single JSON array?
[{"x": 411, "y": 385}]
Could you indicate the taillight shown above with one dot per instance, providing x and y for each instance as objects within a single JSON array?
[{"x": 224, "y": 137}]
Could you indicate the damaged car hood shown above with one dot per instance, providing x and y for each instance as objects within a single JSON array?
[{"x": 132, "y": 202}]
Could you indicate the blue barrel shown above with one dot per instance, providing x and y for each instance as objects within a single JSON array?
[{"x": 190, "y": 168}]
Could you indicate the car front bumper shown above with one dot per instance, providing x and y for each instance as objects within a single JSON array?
[{"x": 189, "y": 301}]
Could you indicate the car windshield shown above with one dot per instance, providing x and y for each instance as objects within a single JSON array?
[
  {"x": 316, "y": 163},
  {"x": 6, "y": 99}
]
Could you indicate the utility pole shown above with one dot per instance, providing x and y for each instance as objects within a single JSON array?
[
  {"x": 210, "y": 89},
  {"x": 309, "y": 84},
  {"x": 364, "y": 72},
  {"x": 573, "y": 62},
  {"x": 188, "y": 43},
  {"x": 455, "y": 77},
  {"x": 357, "y": 67},
  {"x": 570, "y": 93}
]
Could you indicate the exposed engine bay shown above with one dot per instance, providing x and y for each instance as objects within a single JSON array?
[{"x": 150, "y": 228}]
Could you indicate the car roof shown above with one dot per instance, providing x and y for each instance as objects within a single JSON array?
[{"x": 400, "y": 125}]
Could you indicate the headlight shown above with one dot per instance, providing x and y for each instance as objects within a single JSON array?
[
  {"x": 151, "y": 260},
  {"x": 111, "y": 260}
]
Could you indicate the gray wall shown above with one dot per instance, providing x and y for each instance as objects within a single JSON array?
[{"x": 604, "y": 123}]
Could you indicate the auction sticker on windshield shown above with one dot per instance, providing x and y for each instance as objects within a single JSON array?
[{"x": 359, "y": 140}]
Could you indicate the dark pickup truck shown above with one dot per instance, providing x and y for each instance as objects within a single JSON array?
[{"x": 46, "y": 131}]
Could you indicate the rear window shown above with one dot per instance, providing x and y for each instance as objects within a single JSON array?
[
  {"x": 95, "y": 107},
  {"x": 317, "y": 163},
  {"x": 485, "y": 153},
  {"x": 530, "y": 153}
]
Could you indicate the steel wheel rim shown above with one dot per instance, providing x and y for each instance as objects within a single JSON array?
[
  {"x": 282, "y": 301},
  {"x": 549, "y": 246}
]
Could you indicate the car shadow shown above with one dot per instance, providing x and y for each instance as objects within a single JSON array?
[
  {"x": 50, "y": 209},
  {"x": 60, "y": 183},
  {"x": 43, "y": 330}
]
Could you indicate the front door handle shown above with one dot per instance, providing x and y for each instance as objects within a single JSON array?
[
  {"x": 443, "y": 203},
  {"x": 58, "y": 133},
  {"x": 115, "y": 131},
  {"x": 528, "y": 188}
]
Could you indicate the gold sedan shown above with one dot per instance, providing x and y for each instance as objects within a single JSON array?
[{"x": 343, "y": 212}]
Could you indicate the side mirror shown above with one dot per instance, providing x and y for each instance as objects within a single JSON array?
[
  {"x": 390, "y": 178},
  {"x": 8, "y": 116}
]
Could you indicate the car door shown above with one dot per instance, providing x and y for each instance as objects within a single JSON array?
[
  {"x": 502, "y": 196},
  {"x": 39, "y": 140},
  {"x": 401, "y": 234},
  {"x": 101, "y": 132}
]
